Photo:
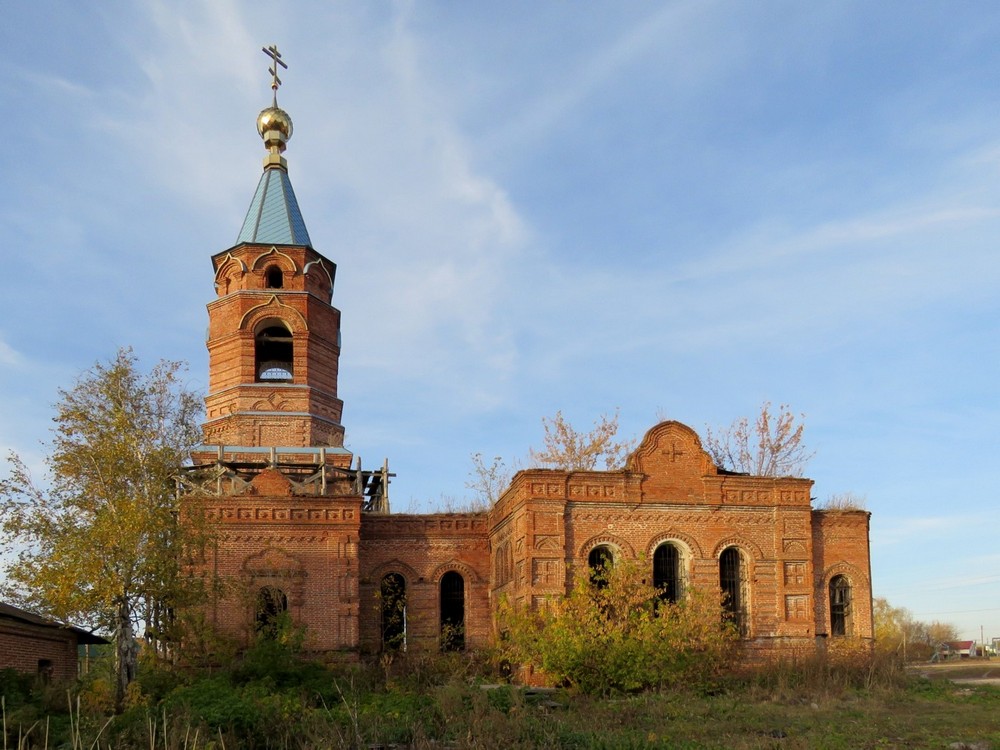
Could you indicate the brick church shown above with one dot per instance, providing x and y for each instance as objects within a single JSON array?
[{"x": 301, "y": 528}]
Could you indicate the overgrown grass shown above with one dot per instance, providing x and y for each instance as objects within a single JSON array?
[{"x": 271, "y": 698}]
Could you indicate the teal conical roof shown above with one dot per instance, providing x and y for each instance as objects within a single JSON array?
[{"x": 274, "y": 217}]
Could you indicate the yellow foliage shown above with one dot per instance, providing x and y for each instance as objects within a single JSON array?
[
  {"x": 618, "y": 634},
  {"x": 771, "y": 447},
  {"x": 565, "y": 448}
]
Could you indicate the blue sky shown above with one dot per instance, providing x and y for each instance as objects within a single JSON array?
[{"x": 679, "y": 209}]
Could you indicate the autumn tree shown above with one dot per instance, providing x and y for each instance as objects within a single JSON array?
[
  {"x": 98, "y": 541},
  {"x": 898, "y": 631},
  {"x": 566, "y": 448},
  {"x": 772, "y": 446},
  {"x": 488, "y": 480}
]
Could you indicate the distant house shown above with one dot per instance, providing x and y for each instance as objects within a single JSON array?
[
  {"x": 37, "y": 645},
  {"x": 956, "y": 650}
]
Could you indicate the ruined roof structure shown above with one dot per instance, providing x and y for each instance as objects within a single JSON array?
[{"x": 303, "y": 528}]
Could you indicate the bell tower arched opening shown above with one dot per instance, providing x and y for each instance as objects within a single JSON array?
[{"x": 274, "y": 353}]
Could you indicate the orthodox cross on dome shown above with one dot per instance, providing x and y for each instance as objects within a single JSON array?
[{"x": 275, "y": 56}]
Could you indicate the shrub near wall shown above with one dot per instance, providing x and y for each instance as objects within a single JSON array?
[{"x": 615, "y": 633}]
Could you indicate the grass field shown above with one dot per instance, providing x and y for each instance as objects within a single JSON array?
[{"x": 445, "y": 704}]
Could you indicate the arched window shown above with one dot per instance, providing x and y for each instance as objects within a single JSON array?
[
  {"x": 452, "y": 611},
  {"x": 840, "y": 606},
  {"x": 732, "y": 581},
  {"x": 393, "y": 596},
  {"x": 273, "y": 278},
  {"x": 667, "y": 572},
  {"x": 271, "y": 604},
  {"x": 600, "y": 561},
  {"x": 273, "y": 354}
]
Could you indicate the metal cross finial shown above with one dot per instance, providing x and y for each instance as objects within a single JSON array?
[{"x": 275, "y": 56}]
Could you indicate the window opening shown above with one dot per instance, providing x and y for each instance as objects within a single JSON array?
[
  {"x": 452, "y": 611},
  {"x": 271, "y": 605},
  {"x": 273, "y": 278},
  {"x": 600, "y": 560},
  {"x": 393, "y": 596},
  {"x": 45, "y": 670},
  {"x": 273, "y": 354},
  {"x": 666, "y": 572},
  {"x": 732, "y": 580},
  {"x": 840, "y": 606}
]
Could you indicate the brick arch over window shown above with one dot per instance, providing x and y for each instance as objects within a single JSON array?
[
  {"x": 277, "y": 258},
  {"x": 459, "y": 567},
  {"x": 318, "y": 267},
  {"x": 273, "y": 561},
  {"x": 393, "y": 566},
  {"x": 230, "y": 265},
  {"x": 610, "y": 540},
  {"x": 752, "y": 550},
  {"x": 229, "y": 270},
  {"x": 854, "y": 574},
  {"x": 693, "y": 548},
  {"x": 273, "y": 309},
  {"x": 276, "y": 567}
]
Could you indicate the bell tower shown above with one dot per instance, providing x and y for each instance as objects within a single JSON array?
[
  {"x": 273, "y": 335},
  {"x": 272, "y": 476}
]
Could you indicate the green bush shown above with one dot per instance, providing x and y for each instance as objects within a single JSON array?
[
  {"x": 15, "y": 687},
  {"x": 615, "y": 634}
]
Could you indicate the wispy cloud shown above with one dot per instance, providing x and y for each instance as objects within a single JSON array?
[
  {"x": 58, "y": 85},
  {"x": 895, "y": 531},
  {"x": 9, "y": 357},
  {"x": 674, "y": 31}
]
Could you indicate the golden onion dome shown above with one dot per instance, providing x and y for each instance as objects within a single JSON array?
[{"x": 274, "y": 119}]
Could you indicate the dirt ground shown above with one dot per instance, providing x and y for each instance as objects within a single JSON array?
[{"x": 980, "y": 671}]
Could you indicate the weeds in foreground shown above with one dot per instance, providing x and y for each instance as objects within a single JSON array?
[
  {"x": 272, "y": 699},
  {"x": 847, "y": 666}
]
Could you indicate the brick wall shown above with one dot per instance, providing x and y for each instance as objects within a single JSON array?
[
  {"x": 304, "y": 546},
  {"x": 23, "y": 645},
  {"x": 544, "y": 527},
  {"x": 422, "y": 548},
  {"x": 329, "y": 559}
]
